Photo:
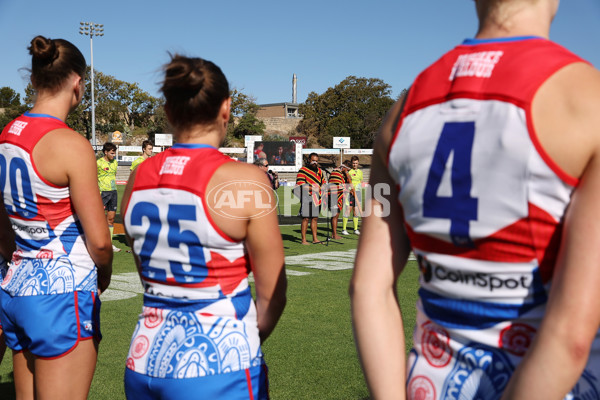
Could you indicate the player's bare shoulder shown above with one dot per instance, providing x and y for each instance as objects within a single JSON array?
[
  {"x": 566, "y": 118},
  {"x": 240, "y": 190}
]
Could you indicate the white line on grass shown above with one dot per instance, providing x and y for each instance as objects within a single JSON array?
[{"x": 127, "y": 285}]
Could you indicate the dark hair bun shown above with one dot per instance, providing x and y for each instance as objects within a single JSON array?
[
  {"x": 194, "y": 90},
  {"x": 43, "y": 49},
  {"x": 185, "y": 74}
]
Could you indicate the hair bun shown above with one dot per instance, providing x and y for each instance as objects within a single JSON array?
[
  {"x": 186, "y": 74},
  {"x": 43, "y": 49}
]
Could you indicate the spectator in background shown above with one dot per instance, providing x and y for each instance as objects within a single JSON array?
[
  {"x": 272, "y": 175},
  {"x": 309, "y": 182},
  {"x": 107, "y": 182},
  {"x": 353, "y": 197},
  {"x": 338, "y": 181},
  {"x": 147, "y": 148}
]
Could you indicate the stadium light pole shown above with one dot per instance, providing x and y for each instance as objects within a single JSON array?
[{"x": 91, "y": 29}]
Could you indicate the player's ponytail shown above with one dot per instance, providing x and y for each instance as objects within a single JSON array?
[
  {"x": 194, "y": 90},
  {"x": 52, "y": 61}
]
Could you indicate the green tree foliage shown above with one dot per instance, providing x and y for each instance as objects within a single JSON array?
[
  {"x": 242, "y": 120},
  {"x": 9, "y": 98},
  {"x": 122, "y": 105},
  {"x": 10, "y": 106},
  {"x": 355, "y": 107}
]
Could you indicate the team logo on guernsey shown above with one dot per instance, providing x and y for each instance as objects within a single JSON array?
[
  {"x": 480, "y": 372},
  {"x": 479, "y": 65},
  {"x": 435, "y": 343},
  {"x": 174, "y": 165},
  {"x": 421, "y": 388},
  {"x": 516, "y": 338},
  {"x": 17, "y": 127}
]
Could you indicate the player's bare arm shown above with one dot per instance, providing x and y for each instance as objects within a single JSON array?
[
  {"x": 382, "y": 254},
  {"x": 262, "y": 236},
  {"x": 78, "y": 171},
  {"x": 566, "y": 117}
]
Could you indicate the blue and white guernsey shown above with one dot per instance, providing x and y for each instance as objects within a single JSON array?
[
  {"x": 483, "y": 205},
  {"x": 51, "y": 256},
  {"x": 199, "y": 318}
]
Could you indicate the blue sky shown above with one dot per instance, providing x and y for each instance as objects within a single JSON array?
[{"x": 261, "y": 44}]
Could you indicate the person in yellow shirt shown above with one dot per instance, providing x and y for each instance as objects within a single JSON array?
[
  {"x": 147, "y": 148},
  {"x": 353, "y": 199},
  {"x": 107, "y": 182}
]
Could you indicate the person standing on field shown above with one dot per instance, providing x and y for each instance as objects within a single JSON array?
[
  {"x": 49, "y": 298},
  {"x": 353, "y": 198},
  {"x": 147, "y": 148},
  {"x": 107, "y": 182},
  {"x": 309, "y": 183},
  {"x": 200, "y": 332},
  {"x": 492, "y": 162}
]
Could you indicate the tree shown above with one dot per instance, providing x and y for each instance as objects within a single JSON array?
[
  {"x": 9, "y": 98},
  {"x": 10, "y": 106},
  {"x": 355, "y": 107},
  {"x": 243, "y": 120}
]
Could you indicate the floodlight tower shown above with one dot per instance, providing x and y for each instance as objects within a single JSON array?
[{"x": 91, "y": 29}]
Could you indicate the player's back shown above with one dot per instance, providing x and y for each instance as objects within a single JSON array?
[
  {"x": 483, "y": 204},
  {"x": 51, "y": 254},
  {"x": 195, "y": 277}
]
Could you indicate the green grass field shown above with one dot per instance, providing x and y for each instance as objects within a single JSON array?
[{"x": 311, "y": 353}]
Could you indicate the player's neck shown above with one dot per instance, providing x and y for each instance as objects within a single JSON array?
[
  {"x": 201, "y": 134},
  {"x": 51, "y": 104},
  {"x": 515, "y": 19}
]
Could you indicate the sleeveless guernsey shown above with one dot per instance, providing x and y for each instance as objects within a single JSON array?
[
  {"x": 51, "y": 256},
  {"x": 198, "y": 318},
  {"x": 483, "y": 206}
]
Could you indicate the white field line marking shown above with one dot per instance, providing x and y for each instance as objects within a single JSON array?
[{"x": 127, "y": 285}]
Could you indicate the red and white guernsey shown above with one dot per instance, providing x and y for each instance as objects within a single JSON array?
[
  {"x": 483, "y": 206},
  {"x": 199, "y": 318},
  {"x": 51, "y": 256}
]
